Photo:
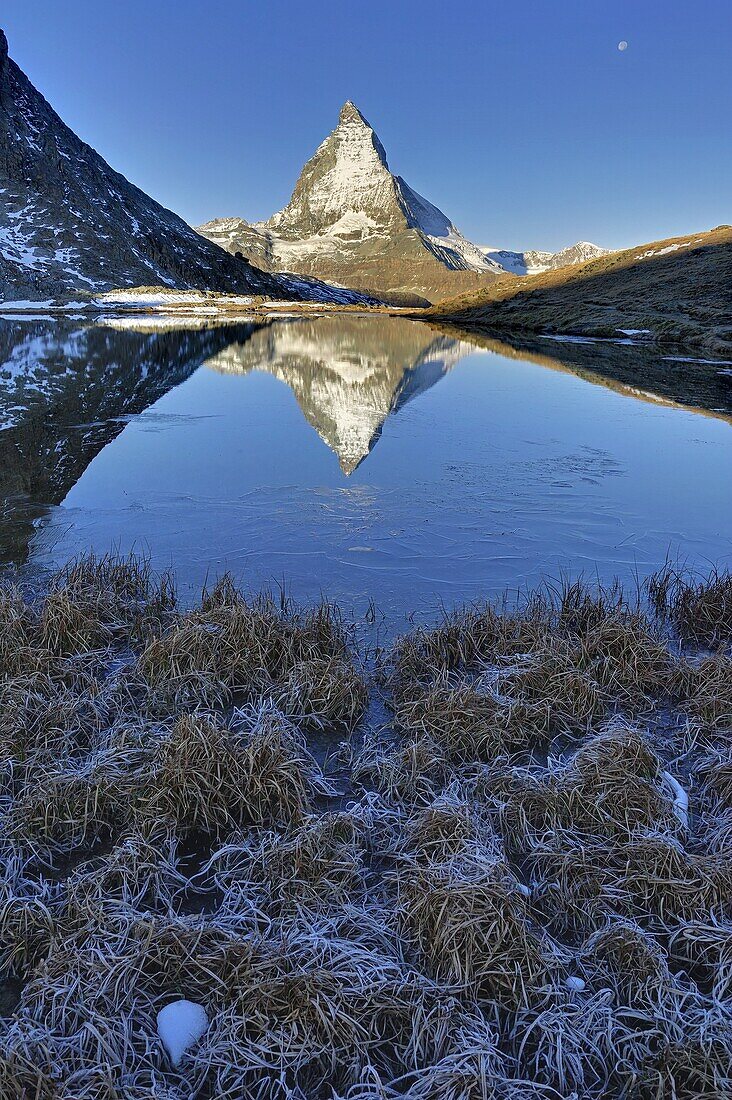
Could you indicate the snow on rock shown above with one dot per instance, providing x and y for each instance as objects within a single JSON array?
[
  {"x": 664, "y": 251},
  {"x": 350, "y": 217},
  {"x": 180, "y": 1026},
  {"x": 438, "y": 229},
  {"x": 533, "y": 262},
  {"x": 22, "y": 305}
]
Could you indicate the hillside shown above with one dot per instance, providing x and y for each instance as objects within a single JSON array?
[
  {"x": 70, "y": 224},
  {"x": 672, "y": 290}
]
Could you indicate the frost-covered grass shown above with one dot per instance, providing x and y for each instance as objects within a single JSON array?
[{"x": 520, "y": 886}]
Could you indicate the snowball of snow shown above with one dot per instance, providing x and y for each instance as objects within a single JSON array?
[
  {"x": 180, "y": 1025},
  {"x": 575, "y": 984}
]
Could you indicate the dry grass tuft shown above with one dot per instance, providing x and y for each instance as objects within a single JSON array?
[
  {"x": 71, "y": 806},
  {"x": 216, "y": 778},
  {"x": 610, "y": 787},
  {"x": 630, "y": 960},
  {"x": 29, "y": 910},
  {"x": 694, "y": 1056},
  {"x": 449, "y": 826},
  {"x": 316, "y": 864},
  {"x": 231, "y": 649},
  {"x": 469, "y": 726},
  {"x": 704, "y": 950},
  {"x": 649, "y": 877},
  {"x": 699, "y": 609},
  {"x": 705, "y": 691},
  {"x": 413, "y": 771},
  {"x": 468, "y": 918},
  {"x": 95, "y": 599},
  {"x": 581, "y": 1047},
  {"x": 714, "y": 773}
]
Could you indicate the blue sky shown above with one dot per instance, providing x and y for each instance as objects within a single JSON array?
[{"x": 520, "y": 118}]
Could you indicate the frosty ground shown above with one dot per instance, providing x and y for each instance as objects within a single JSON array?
[{"x": 516, "y": 886}]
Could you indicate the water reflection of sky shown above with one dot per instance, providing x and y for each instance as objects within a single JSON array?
[{"x": 500, "y": 473}]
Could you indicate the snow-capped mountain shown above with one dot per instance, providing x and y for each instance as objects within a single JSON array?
[
  {"x": 349, "y": 374},
  {"x": 69, "y": 223},
  {"x": 533, "y": 262},
  {"x": 352, "y": 221}
]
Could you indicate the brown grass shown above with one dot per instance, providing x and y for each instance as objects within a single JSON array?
[
  {"x": 698, "y": 608},
  {"x": 497, "y": 894}
]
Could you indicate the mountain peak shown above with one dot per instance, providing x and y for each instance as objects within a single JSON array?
[
  {"x": 350, "y": 113},
  {"x": 350, "y": 215}
]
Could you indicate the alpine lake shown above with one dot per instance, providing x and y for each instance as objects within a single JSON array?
[{"x": 386, "y": 465}]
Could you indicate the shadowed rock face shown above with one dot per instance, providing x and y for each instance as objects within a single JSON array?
[
  {"x": 65, "y": 393},
  {"x": 350, "y": 220},
  {"x": 348, "y": 374},
  {"x": 70, "y": 223}
]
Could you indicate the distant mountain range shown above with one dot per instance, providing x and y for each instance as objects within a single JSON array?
[
  {"x": 352, "y": 221},
  {"x": 533, "y": 262},
  {"x": 71, "y": 226}
]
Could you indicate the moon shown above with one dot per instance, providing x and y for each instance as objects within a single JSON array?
[{"x": 622, "y": 46}]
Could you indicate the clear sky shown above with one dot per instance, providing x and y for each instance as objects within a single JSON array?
[{"x": 520, "y": 118}]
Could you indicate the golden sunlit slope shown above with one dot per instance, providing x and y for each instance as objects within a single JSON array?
[{"x": 679, "y": 289}]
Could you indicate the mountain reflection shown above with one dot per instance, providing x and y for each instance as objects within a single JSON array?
[
  {"x": 65, "y": 393},
  {"x": 67, "y": 390},
  {"x": 348, "y": 373}
]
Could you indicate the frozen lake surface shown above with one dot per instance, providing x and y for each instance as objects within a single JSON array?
[{"x": 370, "y": 459}]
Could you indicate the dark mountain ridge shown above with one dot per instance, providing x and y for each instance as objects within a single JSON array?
[{"x": 69, "y": 223}]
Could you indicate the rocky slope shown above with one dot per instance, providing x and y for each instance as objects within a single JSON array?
[
  {"x": 533, "y": 261},
  {"x": 69, "y": 223},
  {"x": 348, "y": 377},
  {"x": 352, "y": 221},
  {"x": 676, "y": 290}
]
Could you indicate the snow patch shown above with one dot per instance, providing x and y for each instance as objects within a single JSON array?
[
  {"x": 681, "y": 799},
  {"x": 575, "y": 985},
  {"x": 569, "y": 339},
  {"x": 693, "y": 359},
  {"x": 180, "y": 1026}
]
